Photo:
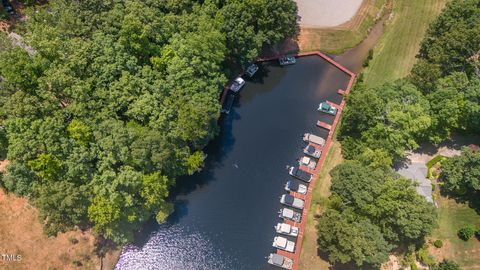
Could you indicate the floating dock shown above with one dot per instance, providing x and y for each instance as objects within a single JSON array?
[
  {"x": 324, "y": 125},
  {"x": 227, "y": 105},
  {"x": 332, "y": 104},
  {"x": 341, "y": 92}
]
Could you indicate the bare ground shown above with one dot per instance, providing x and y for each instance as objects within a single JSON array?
[{"x": 21, "y": 234}]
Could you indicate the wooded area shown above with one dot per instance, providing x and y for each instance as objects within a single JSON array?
[
  {"x": 441, "y": 95},
  {"x": 118, "y": 100}
]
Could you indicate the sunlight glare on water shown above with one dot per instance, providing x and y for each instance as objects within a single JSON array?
[{"x": 175, "y": 248}]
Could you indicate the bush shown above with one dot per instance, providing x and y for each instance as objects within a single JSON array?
[
  {"x": 466, "y": 233},
  {"x": 366, "y": 63},
  {"x": 477, "y": 234},
  {"x": 73, "y": 240},
  {"x": 438, "y": 243},
  {"x": 413, "y": 266},
  {"x": 424, "y": 256}
]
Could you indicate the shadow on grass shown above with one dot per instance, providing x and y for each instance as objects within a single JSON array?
[{"x": 472, "y": 199}]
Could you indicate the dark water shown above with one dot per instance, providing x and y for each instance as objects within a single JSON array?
[{"x": 224, "y": 216}]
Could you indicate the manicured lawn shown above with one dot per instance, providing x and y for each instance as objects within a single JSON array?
[
  {"x": 308, "y": 256},
  {"x": 337, "y": 40},
  {"x": 452, "y": 216},
  {"x": 395, "y": 53}
]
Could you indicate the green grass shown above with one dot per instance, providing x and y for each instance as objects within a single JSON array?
[
  {"x": 395, "y": 53},
  {"x": 432, "y": 163},
  {"x": 321, "y": 192},
  {"x": 336, "y": 41},
  {"x": 453, "y": 216}
]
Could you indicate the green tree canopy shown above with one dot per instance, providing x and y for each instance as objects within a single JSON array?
[{"x": 119, "y": 99}]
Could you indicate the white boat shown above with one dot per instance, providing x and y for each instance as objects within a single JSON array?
[
  {"x": 289, "y": 200},
  {"x": 327, "y": 108},
  {"x": 287, "y": 60},
  {"x": 283, "y": 244},
  {"x": 296, "y": 187},
  {"x": 310, "y": 150},
  {"x": 280, "y": 261},
  {"x": 237, "y": 85},
  {"x": 286, "y": 229},
  {"x": 289, "y": 214},
  {"x": 251, "y": 70},
  {"x": 309, "y": 162},
  {"x": 307, "y": 137},
  {"x": 300, "y": 174}
]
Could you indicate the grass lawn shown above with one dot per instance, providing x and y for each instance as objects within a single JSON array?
[
  {"x": 308, "y": 256},
  {"x": 395, "y": 53},
  {"x": 338, "y": 39},
  {"x": 452, "y": 216}
]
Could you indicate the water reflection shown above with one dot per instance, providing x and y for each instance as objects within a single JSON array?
[
  {"x": 224, "y": 215},
  {"x": 182, "y": 247}
]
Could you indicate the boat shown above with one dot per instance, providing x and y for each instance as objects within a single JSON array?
[
  {"x": 287, "y": 60},
  {"x": 237, "y": 85},
  {"x": 307, "y": 161},
  {"x": 300, "y": 174},
  {"x": 296, "y": 187},
  {"x": 228, "y": 103},
  {"x": 251, "y": 70},
  {"x": 286, "y": 229},
  {"x": 312, "y": 151},
  {"x": 325, "y": 107},
  {"x": 308, "y": 137},
  {"x": 280, "y": 261},
  {"x": 291, "y": 201},
  {"x": 283, "y": 244},
  {"x": 289, "y": 214}
]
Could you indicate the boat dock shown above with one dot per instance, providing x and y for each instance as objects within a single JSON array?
[
  {"x": 324, "y": 125},
  {"x": 325, "y": 149}
]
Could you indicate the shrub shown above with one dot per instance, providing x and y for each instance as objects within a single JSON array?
[
  {"x": 413, "y": 266},
  {"x": 465, "y": 233},
  {"x": 424, "y": 256},
  {"x": 438, "y": 243},
  {"x": 73, "y": 240},
  {"x": 477, "y": 234}
]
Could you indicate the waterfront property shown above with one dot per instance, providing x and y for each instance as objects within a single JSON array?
[{"x": 225, "y": 215}]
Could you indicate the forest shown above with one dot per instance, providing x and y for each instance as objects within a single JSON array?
[
  {"x": 380, "y": 213},
  {"x": 118, "y": 99}
]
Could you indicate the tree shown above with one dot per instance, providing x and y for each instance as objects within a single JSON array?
[
  {"x": 389, "y": 118},
  {"x": 384, "y": 197},
  {"x": 453, "y": 37},
  {"x": 461, "y": 174},
  {"x": 446, "y": 265},
  {"x": 349, "y": 240},
  {"x": 110, "y": 110},
  {"x": 466, "y": 232}
]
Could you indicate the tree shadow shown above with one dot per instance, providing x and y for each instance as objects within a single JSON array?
[{"x": 472, "y": 199}]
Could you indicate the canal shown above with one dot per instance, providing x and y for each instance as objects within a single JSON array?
[{"x": 224, "y": 216}]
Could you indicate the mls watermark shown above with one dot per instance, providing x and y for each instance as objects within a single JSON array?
[{"x": 11, "y": 257}]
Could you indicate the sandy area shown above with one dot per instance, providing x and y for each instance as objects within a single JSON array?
[{"x": 326, "y": 13}]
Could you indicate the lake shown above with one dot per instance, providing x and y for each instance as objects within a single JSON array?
[{"x": 224, "y": 216}]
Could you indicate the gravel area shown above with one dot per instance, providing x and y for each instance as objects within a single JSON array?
[{"x": 326, "y": 13}]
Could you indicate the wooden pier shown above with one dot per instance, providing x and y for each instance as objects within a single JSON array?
[
  {"x": 308, "y": 197},
  {"x": 324, "y": 125}
]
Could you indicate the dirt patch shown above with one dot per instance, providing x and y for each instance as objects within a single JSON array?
[
  {"x": 21, "y": 236},
  {"x": 346, "y": 35},
  {"x": 327, "y": 13}
]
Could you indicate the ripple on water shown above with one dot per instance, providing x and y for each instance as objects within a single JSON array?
[{"x": 175, "y": 247}]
